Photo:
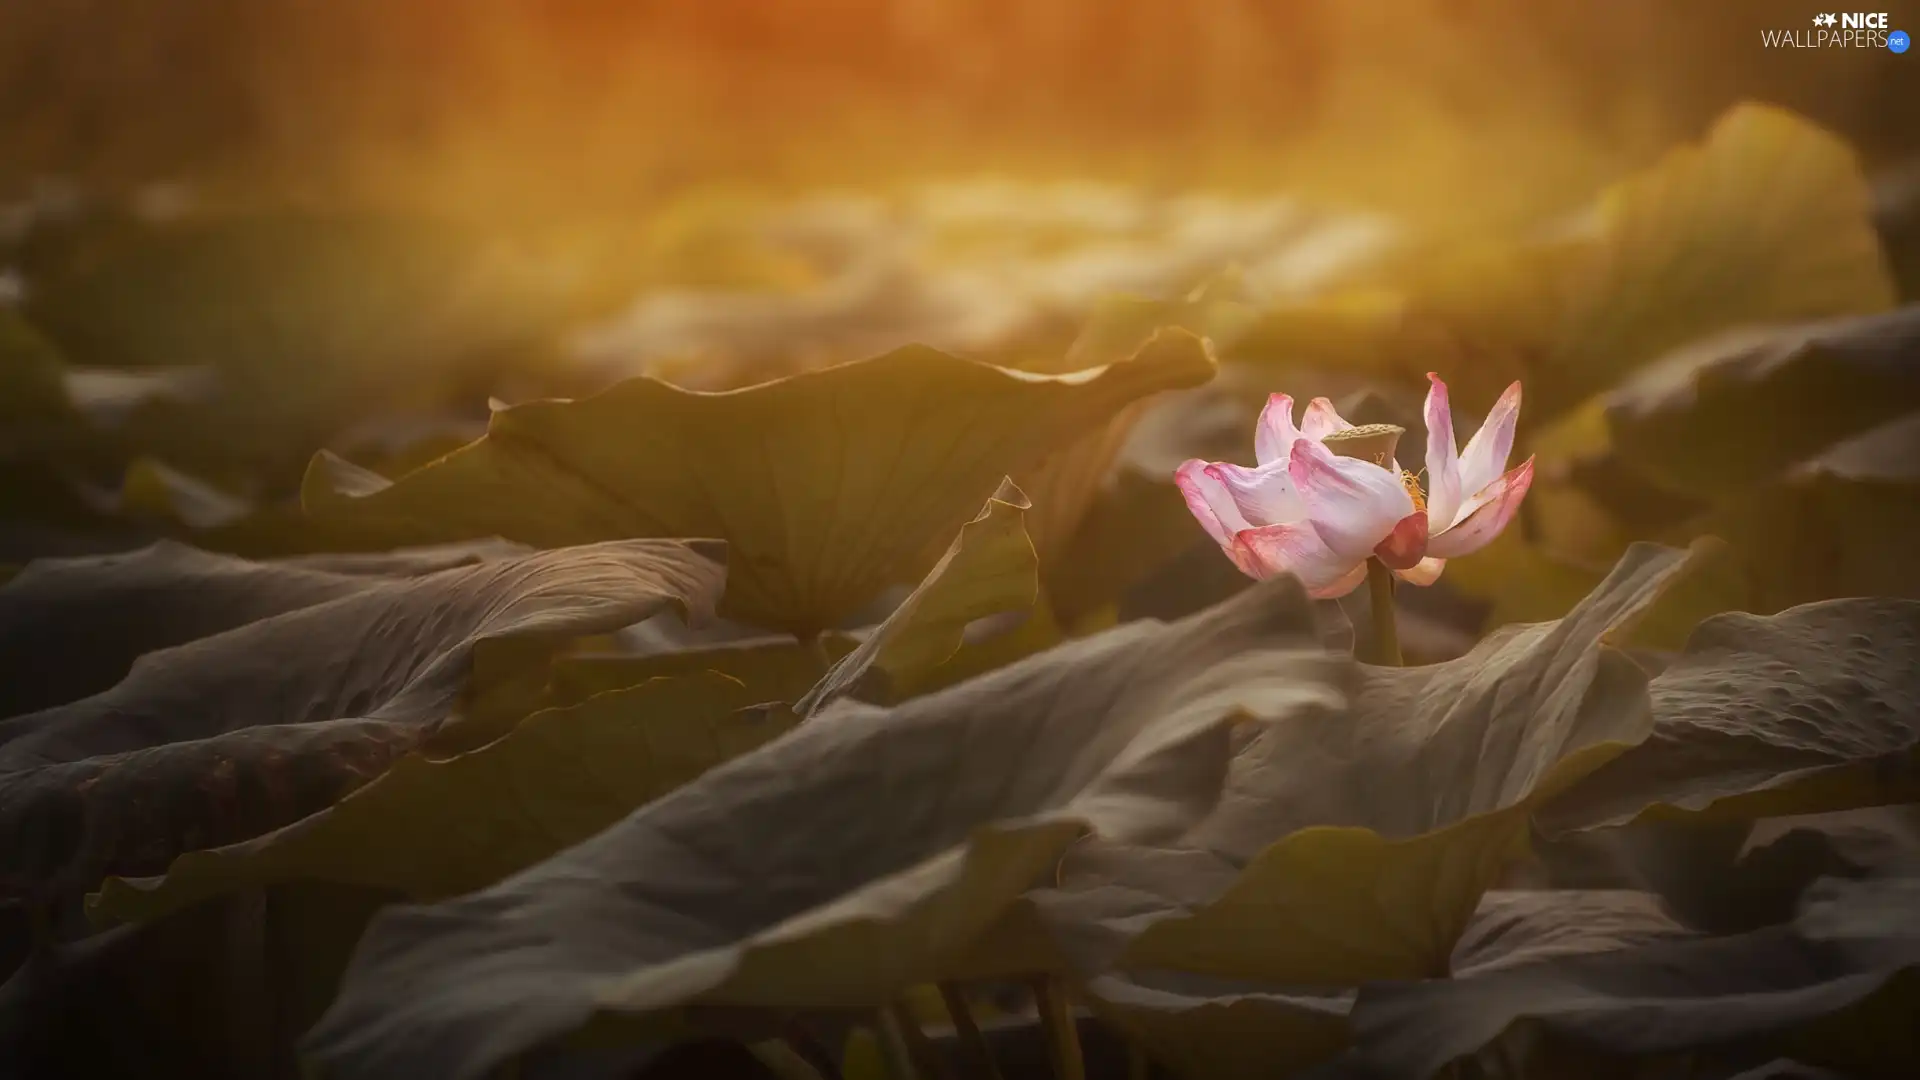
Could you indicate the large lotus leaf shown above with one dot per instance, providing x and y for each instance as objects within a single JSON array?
[
  {"x": 1777, "y": 990},
  {"x": 1118, "y": 326},
  {"x": 1527, "y": 582},
  {"x": 73, "y": 627},
  {"x": 863, "y": 853},
  {"x": 1210, "y": 1028},
  {"x": 432, "y": 828},
  {"x": 1841, "y": 524},
  {"x": 1065, "y": 486},
  {"x": 1814, "y": 709},
  {"x": 232, "y": 735},
  {"x": 404, "y": 562},
  {"x": 1138, "y": 524},
  {"x": 1517, "y": 927},
  {"x": 1067, "y": 483},
  {"x": 1200, "y": 1025},
  {"x": 1355, "y": 843},
  {"x": 1738, "y": 410},
  {"x": 1768, "y": 220},
  {"x": 828, "y": 485},
  {"x": 1733, "y": 876},
  {"x": 988, "y": 569},
  {"x": 772, "y": 668}
]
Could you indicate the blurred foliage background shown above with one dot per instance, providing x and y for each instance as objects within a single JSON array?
[
  {"x": 354, "y": 225},
  {"x": 509, "y": 108}
]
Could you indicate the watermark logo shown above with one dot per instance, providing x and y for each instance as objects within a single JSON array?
[{"x": 1842, "y": 29}]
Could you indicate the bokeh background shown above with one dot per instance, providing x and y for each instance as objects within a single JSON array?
[
  {"x": 240, "y": 231},
  {"x": 512, "y": 108}
]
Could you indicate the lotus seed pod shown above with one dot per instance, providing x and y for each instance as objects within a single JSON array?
[{"x": 1368, "y": 442}]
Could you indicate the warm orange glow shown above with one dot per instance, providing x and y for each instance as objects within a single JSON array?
[{"x": 524, "y": 106}]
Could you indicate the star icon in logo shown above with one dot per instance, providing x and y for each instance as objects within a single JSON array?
[{"x": 1824, "y": 20}]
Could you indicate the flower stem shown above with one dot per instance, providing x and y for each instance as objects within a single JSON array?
[
  {"x": 927, "y": 1062},
  {"x": 895, "y": 1054},
  {"x": 1063, "y": 1034},
  {"x": 972, "y": 1041},
  {"x": 1386, "y": 635},
  {"x": 807, "y": 1045}
]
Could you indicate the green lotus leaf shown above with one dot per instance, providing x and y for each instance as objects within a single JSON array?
[
  {"x": 403, "y": 562},
  {"x": 1768, "y": 220},
  {"x": 1203, "y": 1026},
  {"x": 866, "y": 852},
  {"x": 231, "y": 735},
  {"x": 432, "y": 828},
  {"x": 828, "y": 486},
  {"x": 1513, "y": 928},
  {"x": 1737, "y": 411},
  {"x": 1137, "y": 525},
  {"x": 1838, "y": 525},
  {"x": 1222, "y": 1029},
  {"x": 1733, "y": 876},
  {"x": 1834, "y": 988},
  {"x": 1806, "y": 711},
  {"x": 1066, "y": 484},
  {"x": 1354, "y": 842},
  {"x": 70, "y": 628},
  {"x": 772, "y": 668},
  {"x": 989, "y": 569}
]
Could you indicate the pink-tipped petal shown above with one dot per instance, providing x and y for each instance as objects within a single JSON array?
[
  {"x": 1212, "y": 504},
  {"x": 1264, "y": 496},
  {"x": 1273, "y": 436},
  {"x": 1425, "y": 572},
  {"x": 1354, "y": 504},
  {"x": 1347, "y": 583},
  {"x": 1295, "y": 549},
  {"x": 1322, "y": 420},
  {"x": 1485, "y": 457},
  {"x": 1406, "y": 545},
  {"x": 1486, "y": 513},
  {"x": 1443, "y": 456}
]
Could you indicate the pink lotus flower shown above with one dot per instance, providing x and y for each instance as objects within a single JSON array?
[{"x": 1314, "y": 513}]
